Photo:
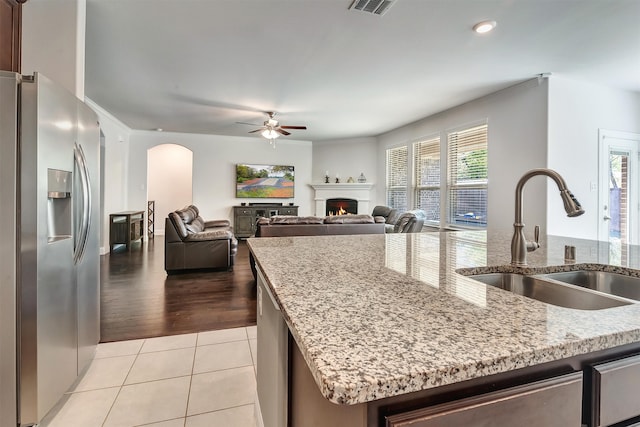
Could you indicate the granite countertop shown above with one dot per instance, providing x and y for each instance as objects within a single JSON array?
[{"x": 381, "y": 315}]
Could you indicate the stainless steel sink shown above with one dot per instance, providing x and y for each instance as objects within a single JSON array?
[
  {"x": 550, "y": 292},
  {"x": 601, "y": 281}
]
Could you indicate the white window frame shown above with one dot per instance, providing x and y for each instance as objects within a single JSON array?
[
  {"x": 453, "y": 184},
  {"x": 436, "y": 141},
  {"x": 389, "y": 174}
]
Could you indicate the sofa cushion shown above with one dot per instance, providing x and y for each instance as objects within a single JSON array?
[
  {"x": 179, "y": 225},
  {"x": 187, "y": 214},
  {"x": 217, "y": 223},
  {"x": 195, "y": 209},
  {"x": 196, "y": 226},
  {"x": 349, "y": 219},
  {"x": 263, "y": 221},
  {"x": 209, "y": 235},
  {"x": 287, "y": 219}
]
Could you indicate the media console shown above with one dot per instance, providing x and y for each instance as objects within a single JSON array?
[{"x": 244, "y": 217}]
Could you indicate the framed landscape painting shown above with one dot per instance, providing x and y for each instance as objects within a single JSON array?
[{"x": 264, "y": 181}]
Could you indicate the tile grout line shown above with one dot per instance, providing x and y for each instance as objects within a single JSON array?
[
  {"x": 156, "y": 422},
  {"x": 122, "y": 385},
  {"x": 193, "y": 364},
  {"x": 254, "y": 360},
  {"x": 223, "y": 409}
]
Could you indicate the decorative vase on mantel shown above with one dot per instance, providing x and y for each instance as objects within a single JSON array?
[{"x": 362, "y": 178}]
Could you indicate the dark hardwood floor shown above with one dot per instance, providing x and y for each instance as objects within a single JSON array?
[{"x": 139, "y": 300}]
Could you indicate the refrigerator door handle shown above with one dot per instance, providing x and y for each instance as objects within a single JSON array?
[{"x": 85, "y": 217}]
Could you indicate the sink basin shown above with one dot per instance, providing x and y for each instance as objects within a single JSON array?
[
  {"x": 550, "y": 292},
  {"x": 601, "y": 281}
]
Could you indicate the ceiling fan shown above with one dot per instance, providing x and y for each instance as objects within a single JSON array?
[{"x": 271, "y": 129}]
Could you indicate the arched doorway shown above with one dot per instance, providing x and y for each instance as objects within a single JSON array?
[{"x": 169, "y": 180}]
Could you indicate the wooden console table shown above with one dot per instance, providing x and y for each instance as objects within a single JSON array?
[
  {"x": 125, "y": 227},
  {"x": 244, "y": 217}
]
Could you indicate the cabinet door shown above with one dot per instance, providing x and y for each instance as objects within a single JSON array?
[
  {"x": 272, "y": 364},
  {"x": 616, "y": 391},
  {"x": 10, "y": 34},
  {"x": 243, "y": 224},
  {"x": 555, "y": 402}
]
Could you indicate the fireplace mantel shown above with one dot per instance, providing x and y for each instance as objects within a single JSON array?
[{"x": 360, "y": 191}]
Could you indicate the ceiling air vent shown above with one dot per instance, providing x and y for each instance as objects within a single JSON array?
[{"x": 377, "y": 7}]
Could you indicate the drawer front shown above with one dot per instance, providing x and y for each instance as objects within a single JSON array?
[
  {"x": 244, "y": 212},
  {"x": 617, "y": 390},
  {"x": 288, "y": 211},
  {"x": 555, "y": 402}
]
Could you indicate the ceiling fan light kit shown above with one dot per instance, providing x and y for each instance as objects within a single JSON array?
[
  {"x": 270, "y": 134},
  {"x": 271, "y": 129}
]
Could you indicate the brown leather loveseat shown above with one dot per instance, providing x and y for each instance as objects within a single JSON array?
[{"x": 190, "y": 242}]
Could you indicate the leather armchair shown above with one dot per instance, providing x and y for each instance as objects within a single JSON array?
[
  {"x": 190, "y": 242},
  {"x": 410, "y": 222},
  {"x": 389, "y": 214}
]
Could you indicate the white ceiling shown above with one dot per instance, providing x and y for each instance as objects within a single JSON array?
[{"x": 200, "y": 66}]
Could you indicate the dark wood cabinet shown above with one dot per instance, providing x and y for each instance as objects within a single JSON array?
[
  {"x": 615, "y": 391},
  {"x": 245, "y": 217},
  {"x": 10, "y": 34},
  {"x": 555, "y": 402},
  {"x": 125, "y": 227}
]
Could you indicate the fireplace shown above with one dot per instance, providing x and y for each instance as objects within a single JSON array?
[
  {"x": 358, "y": 191},
  {"x": 341, "y": 206}
]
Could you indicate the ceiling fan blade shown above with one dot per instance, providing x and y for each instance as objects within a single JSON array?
[
  {"x": 293, "y": 127},
  {"x": 257, "y": 130},
  {"x": 282, "y": 132},
  {"x": 250, "y": 124}
]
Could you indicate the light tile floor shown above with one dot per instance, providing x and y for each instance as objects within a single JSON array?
[{"x": 194, "y": 380}]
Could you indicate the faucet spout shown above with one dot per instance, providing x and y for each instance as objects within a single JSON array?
[{"x": 519, "y": 244}]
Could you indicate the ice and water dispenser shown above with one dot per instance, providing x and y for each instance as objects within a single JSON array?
[{"x": 59, "y": 184}]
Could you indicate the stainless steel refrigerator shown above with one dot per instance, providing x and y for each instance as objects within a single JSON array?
[{"x": 49, "y": 244}]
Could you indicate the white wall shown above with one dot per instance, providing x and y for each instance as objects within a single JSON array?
[
  {"x": 576, "y": 111},
  {"x": 115, "y": 166},
  {"x": 517, "y": 119},
  {"x": 169, "y": 183},
  {"x": 214, "y": 161},
  {"x": 53, "y": 40},
  {"x": 347, "y": 157}
]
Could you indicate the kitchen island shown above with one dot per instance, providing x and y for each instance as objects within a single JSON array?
[{"x": 385, "y": 326}]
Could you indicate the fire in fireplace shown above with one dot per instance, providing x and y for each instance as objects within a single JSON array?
[{"x": 341, "y": 206}]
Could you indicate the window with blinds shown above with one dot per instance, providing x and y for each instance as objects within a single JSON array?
[
  {"x": 426, "y": 156},
  {"x": 397, "y": 174},
  {"x": 467, "y": 177}
]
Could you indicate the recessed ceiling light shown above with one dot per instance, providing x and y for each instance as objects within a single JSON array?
[
  {"x": 159, "y": 129},
  {"x": 484, "y": 27}
]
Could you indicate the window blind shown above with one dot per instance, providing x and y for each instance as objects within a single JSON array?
[
  {"x": 467, "y": 177},
  {"x": 397, "y": 173},
  {"x": 427, "y": 177}
]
